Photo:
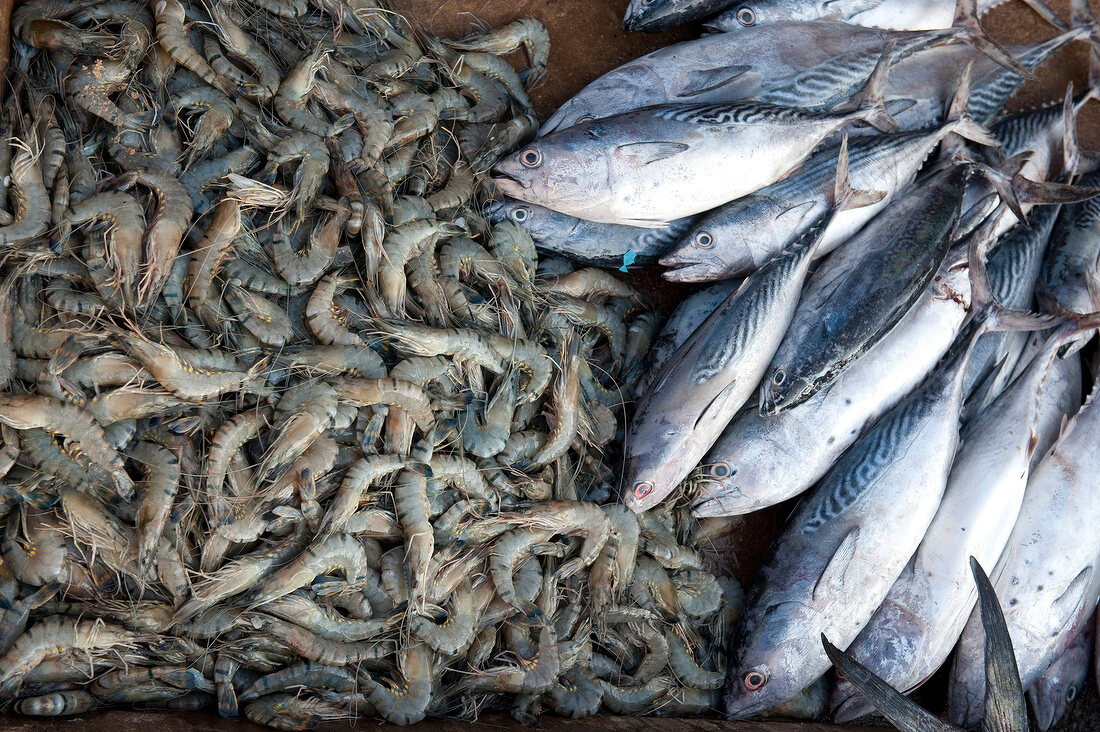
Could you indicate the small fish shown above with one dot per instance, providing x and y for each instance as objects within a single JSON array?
[{"x": 587, "y": 241}]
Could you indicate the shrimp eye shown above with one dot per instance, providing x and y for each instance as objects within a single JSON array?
[
  {"x": 1071, "y": 693},
  {"x": 520, "y": 215},
  {"x": 704, "y": 240},
  {"x": 779, "y": 377},
  {"x": 754, "y": 680},
  {"x": 746, "y": 16},
  {"x": 643, "y": 489},
  {"x": 720, "y": 470},
  {"x": 531, "y": 158}
]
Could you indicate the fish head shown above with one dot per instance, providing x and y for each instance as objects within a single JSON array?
[
  {"x": 564, "y": 172},
  {"x": 774, "y": 662},
  {"x": 540, "y": 222},
  {"x": 782, "y": 389},
  {"x": 1053, "y": 693},
  {"x": 740, "y": 237},
  {"x": 655, "y": 464},
  {"x": 717, "y": 490}
]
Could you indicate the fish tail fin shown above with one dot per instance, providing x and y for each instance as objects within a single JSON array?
[
  {"x": 899, "y": 709},
  {"x": 958, "y": 116},
  {"x": 869, "y": 105},
  {"x": 966, "y": 19},
  {"x": 1081, "y": 18},
  {"x": 1005, "y": 707},
  {"x": 844, "y": 196}
]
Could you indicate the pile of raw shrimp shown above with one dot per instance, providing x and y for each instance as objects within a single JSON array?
[{"x": 289, "y": 429}]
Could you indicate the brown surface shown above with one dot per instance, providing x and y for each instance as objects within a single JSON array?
[{"x": 588, "y": 41}]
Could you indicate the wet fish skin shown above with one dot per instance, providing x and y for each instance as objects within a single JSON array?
[
  {"x": 888, "y": 265},
  {"x": 1059, "y": 686},
  {"x": 914, "y": 630},
  {"x": 655, "y": 165},
  {"x": 711, "y": 376},
  {"x": 766, "y": 459},
  {"x": 1047, "y": 577},
  {"x": 654, "y": 16},
  {"x": 688, "y": 316},
  {"x": 587, "y": 241},
  {"x": 845, "y": 545},
  {"x": 1070, "y": 280},
  {"x": 745, "y": 233},
  {"x": 814, "y": 65}
]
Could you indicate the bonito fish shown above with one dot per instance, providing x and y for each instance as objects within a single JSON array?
[
  {"x": 861, "y": 292},
  {"x": 652, "y": 166}
]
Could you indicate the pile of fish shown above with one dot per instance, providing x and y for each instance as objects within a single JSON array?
[
  {"x": 289, "y": 429},
  {"x": 920, "y": 382}
]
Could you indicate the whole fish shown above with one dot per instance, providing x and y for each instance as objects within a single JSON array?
[
  {"x": 1059, "y": 686},
  {"x": 814, "y": 65},
  {"x": 1070, "y": 280},
  {"x": 917, "y": 625},
  {"x": 688, "y": 316},
  {"x": 604, "y": 245},
  {"x": 655, "y": 165},
  {"x": 1005, "y": 708},
  {"x": 845, "y": 545},
  {"x": 861, "y": 291},
  {"x": 654, "y": 16},
  {"x": 711, "y": 376},
  {"x": 761, "y": 460},
  {"x": 894, "y": 14},
  {"x": 1047, "y": 577},
  {"x": 745, "y": 233}
]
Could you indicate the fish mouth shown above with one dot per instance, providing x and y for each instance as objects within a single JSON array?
[
  {"x": 494, "y": 211},
  {"x": 686, "y": 271},
  {"x": 852, "y": 708},
  {"x": 509, "y": 181}
]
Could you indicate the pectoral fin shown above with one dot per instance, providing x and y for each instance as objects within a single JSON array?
[
  {"x": 832, "y": 578},
  {"x": 646, "y": 153},
  {"x": 701, "y": 81}
]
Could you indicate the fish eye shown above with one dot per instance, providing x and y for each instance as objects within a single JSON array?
[
  {"x": 520, "y": 215},
  {"x": 720, "y": 470},
  {"x": 642, "y": 489},
  {"x": 1071, "y": 693},
  {"x": 746, "y": 16},
  {"x": 754, "y": 680},
  {"x": 779, "y": 377},
  {"x": 531, "y": 158},
  {"x": 704, "y": 240}
]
